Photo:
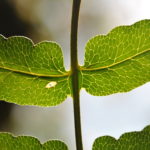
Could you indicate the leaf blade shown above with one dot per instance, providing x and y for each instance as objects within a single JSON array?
[
  {"x": 119, "y": 45},
  {"x": 27, "y": 69},
  {"x": 123, "y": 73},
  {"x": 19, "y": 54},
  {"x": 128, "y": 141},
  {"x": 9, "y": 142}
]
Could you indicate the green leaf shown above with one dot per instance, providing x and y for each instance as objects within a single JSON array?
[
  {"x": 128, "y": 141},
  {"x": 8, "y": 142},
  {"x": 119, "y": 61},
  {"x": 32, "y": 74},
  {"x": 35, "y": 74}
]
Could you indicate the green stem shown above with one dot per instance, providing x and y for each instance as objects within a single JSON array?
[{"x": 74, "y": 69}]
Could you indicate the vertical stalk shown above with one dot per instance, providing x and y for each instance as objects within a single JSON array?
[{"x": 74, "y": 69}]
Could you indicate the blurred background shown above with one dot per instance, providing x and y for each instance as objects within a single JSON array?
[{"x": 50, "y": 20}]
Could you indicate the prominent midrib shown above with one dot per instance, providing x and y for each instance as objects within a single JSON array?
[
  {"x": 34, "y": 74},
  {"x": 80, "y": 68},
  {"x": 114, "y": 64}
]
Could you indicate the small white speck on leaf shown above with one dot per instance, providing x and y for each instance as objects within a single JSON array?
[{"x": 51, "y": 84}]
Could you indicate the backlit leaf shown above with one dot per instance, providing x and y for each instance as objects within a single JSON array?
[
  {"x": 119, "y": 61},
  {"x": 27, "y": 71},
  {"x": 128, "y": 141},
  {"x": 9, "y": 142}
]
